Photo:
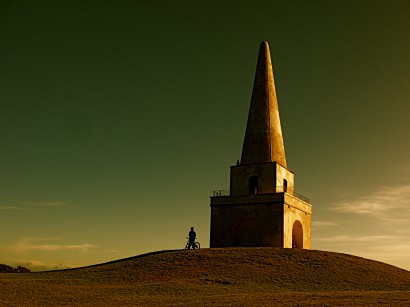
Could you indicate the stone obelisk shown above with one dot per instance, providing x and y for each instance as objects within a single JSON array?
[
  {"x": 263, "y": 137},
  {"x": 261, "y": 207}
]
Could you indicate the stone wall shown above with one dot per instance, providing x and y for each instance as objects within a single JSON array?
[
  {"x": 246, "y": 222},
  {"x": 296, "y": 210},
  {"x": 270, "y": 176},
  {"x": 258, "y": 220}
]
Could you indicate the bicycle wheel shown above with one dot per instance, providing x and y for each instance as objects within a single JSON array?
[
  {"x": 187, "y": 245},
  {"x": 197, "y": 245}
]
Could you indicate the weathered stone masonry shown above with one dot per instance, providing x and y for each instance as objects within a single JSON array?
[{"x": 261, "y": 207}]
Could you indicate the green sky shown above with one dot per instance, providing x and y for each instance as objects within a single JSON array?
[{"x": 119, "y": 118}]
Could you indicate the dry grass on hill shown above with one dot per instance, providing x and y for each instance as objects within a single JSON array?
[{"x": 233, "y": 276}]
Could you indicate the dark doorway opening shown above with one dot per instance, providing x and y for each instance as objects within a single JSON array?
[
  {"x": 253, "y": 185},
  {"x": 297, "y": 235},
  {"x": 285, "y": 185}
]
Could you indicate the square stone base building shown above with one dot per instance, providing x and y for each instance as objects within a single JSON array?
[{"x": 261, "y": 208}]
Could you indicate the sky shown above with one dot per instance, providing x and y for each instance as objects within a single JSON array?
[{"x": 119, "y": 118}]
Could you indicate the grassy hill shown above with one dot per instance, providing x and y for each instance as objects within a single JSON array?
[{"x": 238, "y": 276}]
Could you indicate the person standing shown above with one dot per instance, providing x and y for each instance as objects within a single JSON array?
[{"x": 192, "y": 237}]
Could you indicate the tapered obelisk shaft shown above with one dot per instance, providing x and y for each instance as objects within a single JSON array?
[{"x": 263, "y": 138}]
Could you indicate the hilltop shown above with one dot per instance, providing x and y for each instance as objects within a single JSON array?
[{"x": 247, "y": 276}]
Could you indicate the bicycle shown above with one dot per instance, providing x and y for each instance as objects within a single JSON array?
[{"x": 196, "y": 245}]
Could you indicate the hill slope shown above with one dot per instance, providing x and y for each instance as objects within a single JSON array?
[{"x": 230, "y": 275}]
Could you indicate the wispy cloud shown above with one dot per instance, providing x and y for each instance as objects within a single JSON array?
[
  {"x": 48, "y": 204},
  {"x": 104, "y": 251},
  {"x": 57, "y": 247},
  {"x": 323, "y": 224},
  {"x": 389, "y": 204},
  {"x": 37, "y": 265},
  {"x": 12, "y": 208},
  {"x": 38, "y": 244},
  {"x": 31, "y": 205},
  {"x": 374, "y": 226},
  {"x": 350, "y": 239}
]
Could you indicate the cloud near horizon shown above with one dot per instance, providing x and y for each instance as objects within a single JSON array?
[
  {"x": 27, "y": 244},
  {"x": 37, "y": 265},
  {"x": 49, "y": 204},
  {"x": 323, "y": 224},
  {"x": 374, "y": 226},
  {"x": 350, "y": 239},
  {"x": 5, "y": 207},
  {"x": 29, "y": 205},
  {"x": 389, "y": 204}
]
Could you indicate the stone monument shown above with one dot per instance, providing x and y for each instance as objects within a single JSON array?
[{"x": 261, "y": 208}]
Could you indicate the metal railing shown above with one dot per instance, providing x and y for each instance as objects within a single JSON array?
[{"x": 219, "y": 193}]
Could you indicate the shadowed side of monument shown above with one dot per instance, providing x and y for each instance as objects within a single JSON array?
[{"x": 261, "y": 207}]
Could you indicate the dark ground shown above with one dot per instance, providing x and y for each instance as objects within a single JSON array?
[{"x": 230, "y": 276}]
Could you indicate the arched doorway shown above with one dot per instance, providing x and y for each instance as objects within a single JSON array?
[
  {"x": 297, "y": 235},
  {"x": 245, "y": 232}
]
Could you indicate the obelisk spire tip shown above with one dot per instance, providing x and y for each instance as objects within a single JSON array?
[{"x": 263, "y": 138}]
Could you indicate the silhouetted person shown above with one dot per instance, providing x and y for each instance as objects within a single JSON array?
[{"x": 192, "y": 237}]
